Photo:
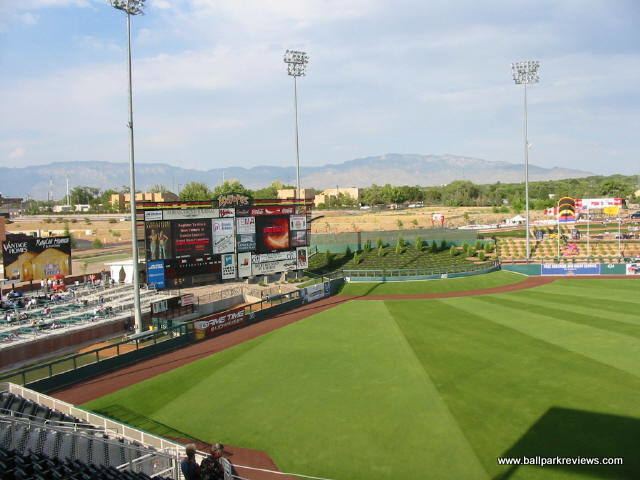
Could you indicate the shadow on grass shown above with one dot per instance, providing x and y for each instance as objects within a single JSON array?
[
  {"x": 137, "y": 420},
  {"x": 563, "y": 432}
]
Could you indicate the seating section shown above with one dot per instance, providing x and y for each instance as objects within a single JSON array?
[
  {"x": 55, "y": 445},
  {"x": 42, "y": 467},
  {"x": 19, "y": 407}
]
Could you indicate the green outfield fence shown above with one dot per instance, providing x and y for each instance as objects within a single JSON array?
[
  {"x": 64, "y": 371},
  {"x": 338, "y": 242},
  {"x": 400, "y": 275}
]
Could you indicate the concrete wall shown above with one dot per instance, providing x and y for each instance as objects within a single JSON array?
[{"x": 49, "y": 344}]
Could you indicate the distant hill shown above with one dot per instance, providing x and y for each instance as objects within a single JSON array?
[{"x": 396, "y": 169}]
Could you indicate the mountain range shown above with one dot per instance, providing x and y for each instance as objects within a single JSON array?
[{"x": 396, "y": 169}]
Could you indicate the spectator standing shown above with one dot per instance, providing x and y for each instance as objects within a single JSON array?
[
  {"x": 211, "y": 468},
  {"x": 188, "y": 465}
]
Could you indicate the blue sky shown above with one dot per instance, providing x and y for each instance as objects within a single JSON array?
[{"x": 402, "y": 76}]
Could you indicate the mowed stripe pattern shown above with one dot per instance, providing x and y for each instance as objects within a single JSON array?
[{"x": 419, "y": 389}]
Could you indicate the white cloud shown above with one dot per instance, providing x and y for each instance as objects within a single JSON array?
[{"x": 16, "y": 153}]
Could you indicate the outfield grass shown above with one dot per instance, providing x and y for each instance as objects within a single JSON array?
[
  {"x": 494, "y": 279},
  {"x": 422, "y": 389}
]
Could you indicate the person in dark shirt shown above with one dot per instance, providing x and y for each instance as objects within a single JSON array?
[
  {"x": 211, "y": 468},
  {"x": 188, "y": 465}
]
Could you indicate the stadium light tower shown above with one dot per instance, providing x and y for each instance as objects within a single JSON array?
[
  {"x": 525, "y": 73},
  {"x": 296, "y": 67},
  {"x": 132, "y": 7}
]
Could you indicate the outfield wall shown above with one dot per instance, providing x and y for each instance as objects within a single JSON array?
[
  {"x": 574, "y": 269},
  {"x": 355, "y": 276}
]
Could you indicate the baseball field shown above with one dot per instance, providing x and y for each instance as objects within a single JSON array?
[{"x": 425, "y": 388}]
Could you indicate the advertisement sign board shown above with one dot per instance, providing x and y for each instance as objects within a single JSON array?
[
  {"x": 246, "y": 225},
  {"x": 187, "y": 214},
  {"x": 244, "y": 265},
  {"x": 246, "y": 242},
  {"x": 228, "y": 266},
  {"x": 598, "y": 203},
  {"x": 267, "y": 264},
  {"x": 155, "y": 273},
  {"x": 298, "y": 222},
  {"x": 28, "y": 258},
  {"x": 272, "y": 234},
  {"x": 267, "y": 211},
  {"x": 313, "y": 293},
  {"x": 302, "y": 256},
  {"x": 570, "y": 269},
  {"x": 633, "y": 268},
  {"x": 152, "y": 215},
  {"x": 219, "y": 322},
  {"x": 223, "y": 237},
  {"x": 299, "y": 238},
  {"x": 158, "y": 240}
]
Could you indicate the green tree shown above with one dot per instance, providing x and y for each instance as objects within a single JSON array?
[
  {"x": 97, "y": 243},
  {"x": 434, "y": 247},
  {"x": 443, "y": 245},
  {"x": 453, "y": 251},
  {"x": 158, "y": 188},
  {"x": 419, "y": 244},
  {"x": 194, "y": 191},
  {"x": 231, "y": 187}
]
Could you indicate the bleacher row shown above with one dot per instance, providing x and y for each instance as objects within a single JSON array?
[
  {"x": 38, "y": 442},
  {"x": 86, "y": 305}
]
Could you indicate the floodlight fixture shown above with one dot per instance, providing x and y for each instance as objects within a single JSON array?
[
  {"x": 525, "y": 72},
  {"x": 296, "y": 62},
  {"x": 131, "y": 7}
]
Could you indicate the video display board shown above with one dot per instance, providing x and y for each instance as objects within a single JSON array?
[
  {"x": 187, "y": 244},
  {"x": 272, "y": 233},
  {"x": 27, "y": 258}
]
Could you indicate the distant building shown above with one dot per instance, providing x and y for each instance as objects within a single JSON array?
[
  {"x": 290, "y": 193},
  {"x": 10, "y": 205},
  {"x": 323, "y": 198},
  {"x": 121, "y": 200},
  {"x": 62, "y": 208}
]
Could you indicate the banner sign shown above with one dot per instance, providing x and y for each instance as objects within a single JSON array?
[
  {"x": 297, "y": 222},
  {"x": 152, "y": 215},
  {"x": 187, "y": 214},
  {"x": 302, "y": 256},
  {"x": 223, "y": 237},
  {"x": 27, "y": 258},
  {"x": 598, "y": 203},
  {"x": 272, "y": 257},
  {"x": 219, "y": 322},
  {"x": 633, "y": 269},
  {"x": 228, "y": 266},
  {"x": 313, "y": 293},
  {"x": 226, "y": 212},
  {"x": 155, "y": 273},
  {"x": 570, "y": 269},
  {"x": 187, "y": 299},
  {"x": 246, "y": 242},
  {"x": 261, "y": 211},
  {"x": 244, "y": 264},
  {"x": 246, "y": 225}
]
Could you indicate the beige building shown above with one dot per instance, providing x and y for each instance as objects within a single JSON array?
[
  {"x": 323, "y": 197},
  {"x": 290, "y": 194},
  {"x": 121, "y": 200}
]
